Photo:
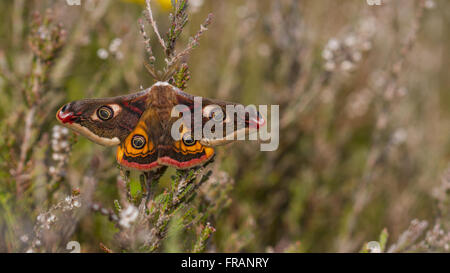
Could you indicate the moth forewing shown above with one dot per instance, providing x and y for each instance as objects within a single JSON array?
[
  {"x": 105, "y": 121},
  {"x": 240, "y": 122}
]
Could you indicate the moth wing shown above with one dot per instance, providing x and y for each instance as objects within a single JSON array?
[
  {"x": 241, "y": 119},
  {"x": 83, "y": 117},
  {"x": 138, "y": 151},
  {"x": 183, "y": 156}
]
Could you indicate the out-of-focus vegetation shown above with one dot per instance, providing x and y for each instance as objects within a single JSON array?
[{"x": 364, "y": 128}]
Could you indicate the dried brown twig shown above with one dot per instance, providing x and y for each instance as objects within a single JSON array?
[
  {"x": 173, "y": 59},
  {"x": 45, "y": 41},
  {"x": 149, "y": 16}
]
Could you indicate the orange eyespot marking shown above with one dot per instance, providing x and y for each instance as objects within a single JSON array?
[
  {"x": 105, "y": 113},
  {"x": 188, "y": 140},
  {"x": 138, "y": 151},
  {"x": 137, "y": 142},
  {"x": 187, "y": 144}
]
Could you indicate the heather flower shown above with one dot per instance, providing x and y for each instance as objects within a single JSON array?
[
  {"x": 345, "y": 53},
  {"x": 128, "y": 216}
]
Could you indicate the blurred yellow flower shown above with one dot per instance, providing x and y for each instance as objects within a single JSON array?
[{"x": 164, "y": 4}]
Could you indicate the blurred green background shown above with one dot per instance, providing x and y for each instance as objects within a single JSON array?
[{"x": 364, "y": 120}]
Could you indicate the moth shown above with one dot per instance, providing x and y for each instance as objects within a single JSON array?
[{"x": 140, "y": 124}]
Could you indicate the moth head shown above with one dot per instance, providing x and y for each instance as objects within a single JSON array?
[{"x": 96, "y": 119}]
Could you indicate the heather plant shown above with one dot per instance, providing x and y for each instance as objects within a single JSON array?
[{"x": 362, "y": 163}]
